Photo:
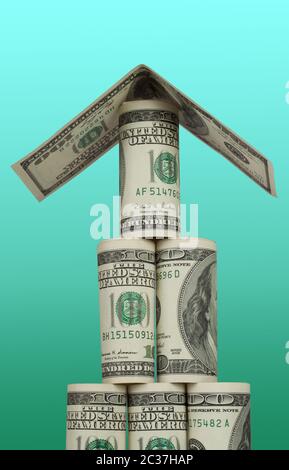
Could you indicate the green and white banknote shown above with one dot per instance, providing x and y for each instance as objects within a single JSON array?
[
  {"x": 95, "y": 130},
  {"x": 157, "y": 417},
  {"x": 126, "y": 281},
  {"x": 96, "y": 417},
  {"x": 219, "y": 416},
  {"x": 149, "y": 169},
  {"x": 186, "y": 310}
]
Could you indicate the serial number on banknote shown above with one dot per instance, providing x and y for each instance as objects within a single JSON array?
[
  {"x": 209, "y": 423},
  {"x": 157, "y": 191},
  {"x": 171, "y": 274},
  {"x": 127, "y": 334}
]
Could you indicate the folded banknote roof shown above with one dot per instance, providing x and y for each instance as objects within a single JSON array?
[{"x": 94, "y": 131}]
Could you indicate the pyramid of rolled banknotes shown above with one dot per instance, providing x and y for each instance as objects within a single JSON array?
[{"x": 158, "y": 314}]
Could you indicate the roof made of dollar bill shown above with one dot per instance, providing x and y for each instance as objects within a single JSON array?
[{"x": 95, "y": 130}]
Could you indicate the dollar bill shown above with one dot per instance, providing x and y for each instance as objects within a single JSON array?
[
  {"x": 219, "y": 416},
  {"x": 95, "y": 130},
  {"x": 149, "y": 169},
  {"x": 96, "y": 417},
  {"x": 157, "y": 418},
  {"x": 186, "y": 311},
  {"x": 126, "y": 279}
]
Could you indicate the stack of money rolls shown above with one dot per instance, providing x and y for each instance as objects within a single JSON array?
[{"x": 158, "y": 314}]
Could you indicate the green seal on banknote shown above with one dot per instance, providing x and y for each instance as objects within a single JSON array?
[
  {"x": 99, "y": 444},
  {"x": 131, "y": 308},
  {"x": 166, "y": 167},
  {"x": 160, "y": 443},
  {"x": 90, "y": 137}
]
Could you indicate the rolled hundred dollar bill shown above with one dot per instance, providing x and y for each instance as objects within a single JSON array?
[
  {"x": 96, "y": 417},
  {"x": 157, "y": 418},
  {"x": 126, "y": 279},
  {"x": 186, "y": 312},
  {"x": 149, "y": 169},
  {"x": 219, "y": 416}
]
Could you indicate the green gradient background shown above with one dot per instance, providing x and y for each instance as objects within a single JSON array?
[{"x": 232, "y": 58}]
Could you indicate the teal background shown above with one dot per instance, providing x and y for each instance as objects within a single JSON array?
[{"x": 56, "y": 58}]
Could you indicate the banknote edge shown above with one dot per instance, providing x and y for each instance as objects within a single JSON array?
[
  {"x": 27, "y": 181},
  {"x": 32, "y": 186}
]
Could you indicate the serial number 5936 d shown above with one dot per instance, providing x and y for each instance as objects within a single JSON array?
[{"x": 162, "y": 459}]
